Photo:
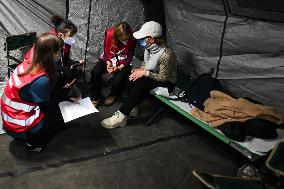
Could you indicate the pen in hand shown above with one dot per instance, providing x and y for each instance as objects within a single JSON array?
[{"x": 68, "y": 85}]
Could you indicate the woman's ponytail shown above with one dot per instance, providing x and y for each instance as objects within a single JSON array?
[
  {"x": 63, "y": 25},
  {"x": 57, "y": 21}
]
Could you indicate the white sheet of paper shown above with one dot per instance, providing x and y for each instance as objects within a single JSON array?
[{"x": 73, "y": 110}]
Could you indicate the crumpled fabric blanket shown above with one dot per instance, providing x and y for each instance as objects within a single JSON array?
[{"x": 221, "y": 108}]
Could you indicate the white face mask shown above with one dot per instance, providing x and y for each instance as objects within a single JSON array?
[
  {"x": 124, "y": 42},
  {"x": 70, "y": 41}
]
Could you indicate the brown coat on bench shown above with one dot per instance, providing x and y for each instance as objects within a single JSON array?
[{"x": 221, "y": 108}]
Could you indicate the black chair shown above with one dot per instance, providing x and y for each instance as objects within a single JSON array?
[
  {"x": 17, "y": 42},
  {"x": 214, "y": 181}
]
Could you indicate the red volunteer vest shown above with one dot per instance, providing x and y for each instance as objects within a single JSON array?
[
  {"x": 17, "y": 114},
  {"x": 123, "y": 53},
  {"x": 66, "y": 51}
]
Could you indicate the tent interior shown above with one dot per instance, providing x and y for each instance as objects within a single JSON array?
[{"x": 242, "y": 40}]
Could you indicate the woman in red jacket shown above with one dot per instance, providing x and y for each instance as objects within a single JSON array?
[
  {"x": 119, "y": 47},
  {"x": 27, "y": 93}
]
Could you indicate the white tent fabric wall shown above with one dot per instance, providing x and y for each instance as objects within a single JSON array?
[
  {"x": 104, "y": 14},
  {"x": 252, "y": 63},
  {"x": 25, "y": 16},
  {"x": 253, "y": 59},
  {"x": 18, "y": 17},
  {"x": 3, "y": 35}
]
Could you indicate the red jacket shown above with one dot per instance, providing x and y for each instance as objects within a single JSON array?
[
  {"x": 124, "y": 53},
  {"x": 66, "y": 51},
  {"x": 19, "y": 115}
]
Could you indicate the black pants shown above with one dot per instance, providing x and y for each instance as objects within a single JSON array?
[
  {"x": 139, "y": 90},
  {"x": 117, "y": 84},
  {"x": 53, "y": 125},
  {"x": 63, "y": 75}
]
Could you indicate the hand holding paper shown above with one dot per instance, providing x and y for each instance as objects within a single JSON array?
[{"x": 74, "y": 110}]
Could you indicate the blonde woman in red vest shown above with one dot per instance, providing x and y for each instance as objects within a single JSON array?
[
  {"x": 28, "y": 89},
  {"x": 119, "y": 48}
]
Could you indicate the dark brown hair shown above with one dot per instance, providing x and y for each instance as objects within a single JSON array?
[
  {"x": 122, "y": 32},
  {"x": 63, "y": 25},
  {"x": 46, "y": 46},
  {"x": 159, "y": 40}
]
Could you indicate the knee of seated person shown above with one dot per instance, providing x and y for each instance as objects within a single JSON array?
[
  {"x": 68, "y": 76},
  {"x": 140, "y": 80},
  {"x": 95, "y": 73},
  {"x": 117, "y": 81}
]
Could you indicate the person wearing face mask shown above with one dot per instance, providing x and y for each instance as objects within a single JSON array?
[
  {"x": 66, "y": 30},
  {"x": 66, "y": 69},
  {"x": 27, "y": 93},
  {"x": 159, "y": 69},
  {"x": 119, "y": 48}
]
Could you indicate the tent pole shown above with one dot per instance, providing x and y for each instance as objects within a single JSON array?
[{"x": 67, "y": 9}]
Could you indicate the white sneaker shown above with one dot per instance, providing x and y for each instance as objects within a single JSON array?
[
  {"x": 134, "y": 112},
  {"x": 117, "y": 120}
]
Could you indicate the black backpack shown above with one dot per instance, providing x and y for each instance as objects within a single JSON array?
[{"x": 200, "y": 89}]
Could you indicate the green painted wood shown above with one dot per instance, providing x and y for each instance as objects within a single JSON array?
[{"x": 195, "y": 120}]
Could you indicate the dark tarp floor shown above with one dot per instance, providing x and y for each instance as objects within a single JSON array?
[{"x": 86, "y": 155}]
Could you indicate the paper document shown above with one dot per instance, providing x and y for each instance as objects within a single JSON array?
[{"x": 74, "y": 110}]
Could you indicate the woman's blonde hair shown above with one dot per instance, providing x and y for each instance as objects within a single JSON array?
[
  {"x": 122, "y": 32},
  {"x": 46, "y": 46}
]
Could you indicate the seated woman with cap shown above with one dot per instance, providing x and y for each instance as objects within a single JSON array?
[{"x": 159, "y": 69}]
